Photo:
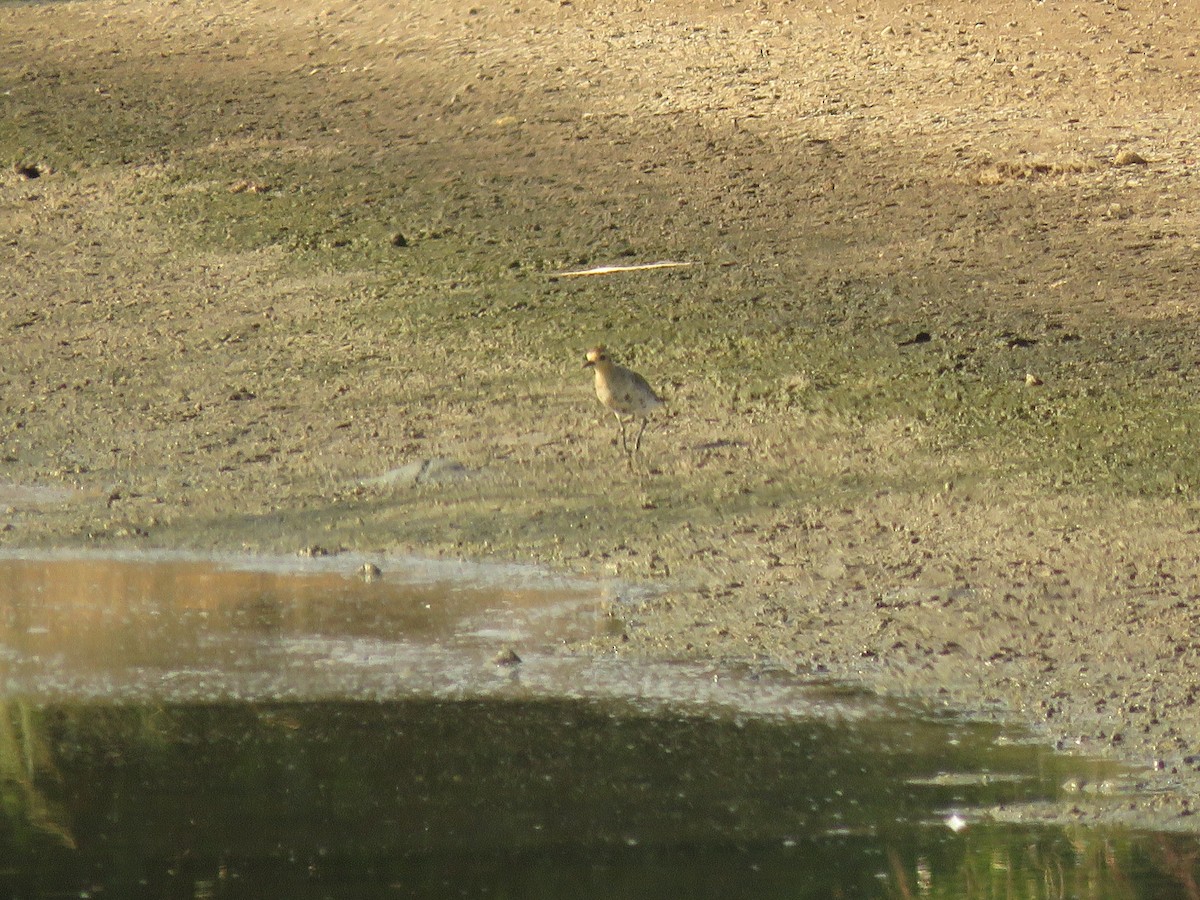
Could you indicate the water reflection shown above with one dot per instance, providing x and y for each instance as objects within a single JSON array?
[
  {"x": 533, "y": 799},
  {"x": 177, "y": 728},
  {"x": 187, "y": 628}
]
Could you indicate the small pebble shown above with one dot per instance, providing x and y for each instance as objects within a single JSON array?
[
  {"x": 1129, "y": 158},
  {"x": 507, "y": 657}
]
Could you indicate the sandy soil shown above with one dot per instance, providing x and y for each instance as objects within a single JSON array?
[{"x": 931, "y": 373}]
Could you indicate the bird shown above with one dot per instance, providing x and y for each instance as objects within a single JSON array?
[{"x": 623, "y": 391}]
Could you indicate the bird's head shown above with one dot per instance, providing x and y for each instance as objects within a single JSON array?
[{"x": 595, "y": 355}]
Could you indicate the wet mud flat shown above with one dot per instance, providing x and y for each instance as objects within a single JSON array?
[{"x": 239, "y": 726}]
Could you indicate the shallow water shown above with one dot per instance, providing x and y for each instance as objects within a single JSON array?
[{"x": 180, "y": 726}]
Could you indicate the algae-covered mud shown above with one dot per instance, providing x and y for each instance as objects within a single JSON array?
[{"x": 288, "y": 279}]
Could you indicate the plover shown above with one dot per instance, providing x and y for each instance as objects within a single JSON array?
[{"x": 623, "y": 391}]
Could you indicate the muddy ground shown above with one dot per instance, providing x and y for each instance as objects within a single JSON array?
[{"x": 931, "y": 372}]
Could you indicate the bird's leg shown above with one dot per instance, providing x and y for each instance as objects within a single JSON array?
[
  {"x": 621, "y": 422},
  {"x": 638, "y": 442}
]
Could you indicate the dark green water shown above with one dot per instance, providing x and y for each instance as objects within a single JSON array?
[{"x": 490, "y": 798}]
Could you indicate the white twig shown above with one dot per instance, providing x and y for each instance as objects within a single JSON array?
[{"x": 609, "y": 270}]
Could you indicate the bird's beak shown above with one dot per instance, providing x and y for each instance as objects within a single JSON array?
[{"x": 588, "y": 362}]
